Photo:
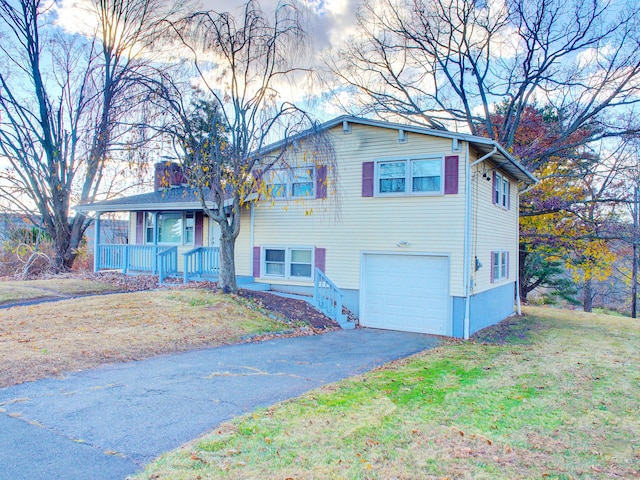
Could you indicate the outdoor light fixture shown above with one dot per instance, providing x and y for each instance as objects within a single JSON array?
[
  {"x": 478, "y": 264},
  {"x": 402, "y": 243}
]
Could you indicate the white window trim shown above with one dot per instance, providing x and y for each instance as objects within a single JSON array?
[
  {"x": 156, "y": 227},
  {"x": 408, "y": 178},
  {"x": 501, "y": 265},
  {"x": 287, "y": 261},
  {"x": 148, "y": 227},
  {"x": 289, "y": 183},
  {"x": 501, "y": 183}
]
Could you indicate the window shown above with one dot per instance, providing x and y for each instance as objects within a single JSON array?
[
  {"x": 174, "y": 228},
  {"x": 170, "y": 228},
  {"x": 189, "y": 227},
  {"x": 150, "y": 227},
  {"x": 302, "y": 182},
  {"x": 277, "y": 185},
  {"x": 499, "y": 266},
  {"x": 501, "y": 191},
  {"x": 274, "y": 262},
  {"x": 300, "y": 265},
  {"x": 291, "y": 183},
  {"x": 392, "y": 177},
  {"x": 425, "y": 175},
  {"x": 288, "y": 262},
  {"x": 412, "y": 176}
]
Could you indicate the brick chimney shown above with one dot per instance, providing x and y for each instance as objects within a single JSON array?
[{"x": 167, "y": 174}]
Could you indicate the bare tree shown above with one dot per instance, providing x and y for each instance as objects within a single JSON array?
[
  {"x": 240, "y": 63},
  {"x": 445, "y": 63},
  {"x": 64, "y": 101}
]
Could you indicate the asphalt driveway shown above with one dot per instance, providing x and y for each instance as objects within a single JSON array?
[{"x": 108, "y": 422}]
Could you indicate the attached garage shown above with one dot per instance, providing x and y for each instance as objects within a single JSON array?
[{"x": 405, "y": 292}]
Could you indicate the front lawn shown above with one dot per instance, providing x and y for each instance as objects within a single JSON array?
[
  {"x": 20, "y": 291},
  {"x": 46, "y": 339},
  {"x": 555, "y": 394}
]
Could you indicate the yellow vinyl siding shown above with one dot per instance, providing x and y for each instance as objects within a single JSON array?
[
  {"x": 243, "y": 253},
  {"x": 205, "y": 230},
  {"x": 352, "y": 224},
  {"x": 493, "y": 227}
]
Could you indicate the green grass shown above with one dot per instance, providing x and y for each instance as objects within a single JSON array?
[
  {"x": 18, "y": 291},
  {"x": 555, "y": 394}
]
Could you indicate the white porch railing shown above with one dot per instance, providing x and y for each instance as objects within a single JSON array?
[
  {"x": 138, "y": 258},
  {"x": 201, "y": 262},
  {"x": 328, "y": 298}
]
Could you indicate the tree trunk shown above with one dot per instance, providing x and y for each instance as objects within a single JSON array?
[
  {"x": 227, "y": 279},
  {"x": 587, "y": 298},
  {"x": 61, "y": 247},
  {"x": 522, "y": 273}
]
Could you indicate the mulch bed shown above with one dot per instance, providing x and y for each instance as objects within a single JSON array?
[{"x": 291, "y": 308}]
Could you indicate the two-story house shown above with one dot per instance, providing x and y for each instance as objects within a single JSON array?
[{"x": 418, "y": 230}]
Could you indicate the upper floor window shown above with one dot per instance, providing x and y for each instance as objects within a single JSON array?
[
  {"x": 412, "y": 176},
  {"x": 501, "y": 190},
  {"x": 291, "y": 183}
]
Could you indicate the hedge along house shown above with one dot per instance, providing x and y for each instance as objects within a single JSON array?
[{"x": 418, "y": 232}]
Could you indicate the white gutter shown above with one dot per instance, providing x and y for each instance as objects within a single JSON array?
[
  {"x": 466, "y": 271},
  {"x": 138, "y": 207}
]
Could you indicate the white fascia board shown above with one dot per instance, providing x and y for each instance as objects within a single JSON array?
[
  {"x": 525, "y": 175},
  {"x": 137, "y": 207}
]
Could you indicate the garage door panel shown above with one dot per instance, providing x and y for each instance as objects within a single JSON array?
[{"x": 406, "y": 292}]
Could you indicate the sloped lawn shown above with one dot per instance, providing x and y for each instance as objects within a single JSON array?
[
  {"x": 553, "y": 395},
  {"x": 19, "y": 291},
  {"x": 48, "y": 339}
]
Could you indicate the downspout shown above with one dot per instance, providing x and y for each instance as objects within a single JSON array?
[
  {"x": 518, "y": 306},
  {"x": 251, "y": 239},
  {"x": 467, "y": 242}
]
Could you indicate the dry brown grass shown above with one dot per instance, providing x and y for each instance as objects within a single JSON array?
[
  {"x": 18, "y": 291},
  {"x": 48, "y": 339}
]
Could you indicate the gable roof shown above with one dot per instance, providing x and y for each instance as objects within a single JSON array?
[
  {"x": 483, "y": 145},
  {"x": 186, "y": 198}
]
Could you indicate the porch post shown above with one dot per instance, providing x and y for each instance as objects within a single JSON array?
[{"x": 96, "y": 243}]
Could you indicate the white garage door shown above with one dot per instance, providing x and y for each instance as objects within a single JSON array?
[{"x": 406, "y": 292}]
